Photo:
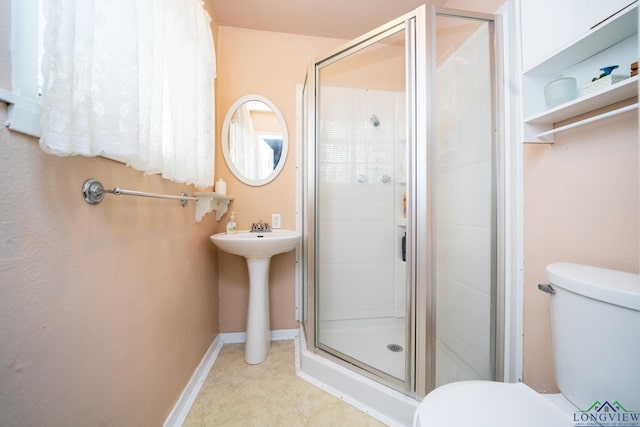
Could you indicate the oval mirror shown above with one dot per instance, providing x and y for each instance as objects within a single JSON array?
[{"x": 254, "y": 140}]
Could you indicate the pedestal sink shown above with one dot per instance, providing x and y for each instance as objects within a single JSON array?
[{"x": 257, "y": 248}]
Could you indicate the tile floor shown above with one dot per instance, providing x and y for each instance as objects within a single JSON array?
[{"x": 268, "y": 394}]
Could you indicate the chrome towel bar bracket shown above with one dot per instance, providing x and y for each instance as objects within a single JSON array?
[{"x": 94, "y": 192}]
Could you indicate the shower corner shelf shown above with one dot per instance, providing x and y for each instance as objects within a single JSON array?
[{"x": 208, "y": 202}]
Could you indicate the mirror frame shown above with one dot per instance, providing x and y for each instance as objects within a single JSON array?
[{"x": 225, "y": 140}]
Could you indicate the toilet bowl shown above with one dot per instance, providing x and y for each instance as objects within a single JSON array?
[
  {"x": 489, "y": 404},
  {"x": 595, "y": 318}
]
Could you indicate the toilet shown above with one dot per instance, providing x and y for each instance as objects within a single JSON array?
[{"x": 595, "y": 321}]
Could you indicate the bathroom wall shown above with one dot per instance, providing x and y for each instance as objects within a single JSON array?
[
  {"x": 581, "y": 205},
  {"x": 268, "y": 64},
  {"x": 105, "y": 310}
]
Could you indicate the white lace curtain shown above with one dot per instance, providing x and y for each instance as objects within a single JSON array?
[{"x": 131, "y": 80}]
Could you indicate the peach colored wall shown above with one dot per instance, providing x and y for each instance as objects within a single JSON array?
[
  {"x": 105, "y": 310},
  {"x": 581, "y": 205},
  {"x": 379, "y": 66},
  {"x": 264, "y": 121},
  {"x": 268, "y": 64}
]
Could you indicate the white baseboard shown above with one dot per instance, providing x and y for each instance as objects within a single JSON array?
[
  {"x": 276, "y": 335},
  {"x": 182, "y": 407}
]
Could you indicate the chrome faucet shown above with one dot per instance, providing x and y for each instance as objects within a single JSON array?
[{"x": 258, "y": 227}]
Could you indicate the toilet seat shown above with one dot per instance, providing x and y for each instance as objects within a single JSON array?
[{"x": 490, "y": 404}]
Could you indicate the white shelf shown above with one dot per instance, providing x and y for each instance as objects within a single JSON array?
[
  {"x": 611, "y": 42},
  {"x": 619, "y": 92},
  {"x": 208, "y": 202}
]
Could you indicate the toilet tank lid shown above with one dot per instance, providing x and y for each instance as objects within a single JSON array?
[{"x": 611, "y": 286}]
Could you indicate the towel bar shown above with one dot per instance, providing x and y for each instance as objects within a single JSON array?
[
  {"x": 589, "y": 120},
  {"x": 94, "y": 192}
]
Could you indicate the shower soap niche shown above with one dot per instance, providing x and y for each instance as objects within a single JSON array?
[{"x": 208, "y": 202}]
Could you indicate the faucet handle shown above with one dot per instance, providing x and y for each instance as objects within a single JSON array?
[{"x": 260, "y": 226}]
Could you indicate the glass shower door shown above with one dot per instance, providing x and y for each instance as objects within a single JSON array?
[
  {"x": 465, "y": 201},
  {"x": 361, "y": 189},
  {"x": 402, "y": 203}
]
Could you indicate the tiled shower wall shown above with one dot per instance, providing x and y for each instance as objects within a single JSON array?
[{"x": 360, "y": 200}]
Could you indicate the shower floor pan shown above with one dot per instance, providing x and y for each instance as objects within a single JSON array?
[{"x": 377, "y": 342}]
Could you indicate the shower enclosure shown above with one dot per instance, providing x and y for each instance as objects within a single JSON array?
[{"x": 400, "y": 248}]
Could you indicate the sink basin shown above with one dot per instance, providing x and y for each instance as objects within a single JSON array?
[
  {"x": 257, "y": 248},
  {"x": 257, "y": 245}
]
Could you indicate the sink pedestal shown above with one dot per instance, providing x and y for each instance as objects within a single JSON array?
[
  {"x": 258, "y": 340},
  {"x": 257, "y": 249}
]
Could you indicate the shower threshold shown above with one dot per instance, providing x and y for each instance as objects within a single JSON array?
[{"x": 381, "y": 402}]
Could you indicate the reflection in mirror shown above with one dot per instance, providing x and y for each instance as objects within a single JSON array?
[{"x": 254, "y": 138}]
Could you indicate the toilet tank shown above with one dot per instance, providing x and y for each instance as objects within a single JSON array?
[{"x": 595, "y": 320}]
